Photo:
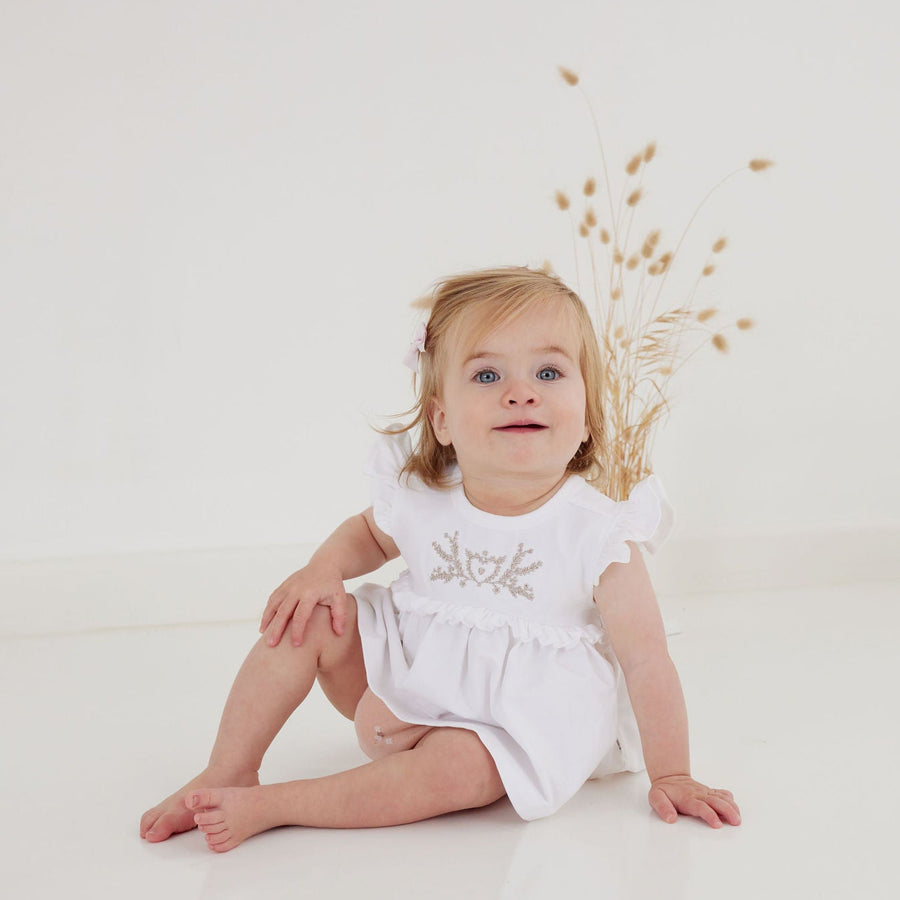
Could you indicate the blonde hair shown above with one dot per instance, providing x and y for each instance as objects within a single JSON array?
[{"x": 492, "y": 298}]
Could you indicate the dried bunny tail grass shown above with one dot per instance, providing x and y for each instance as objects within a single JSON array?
[
  {"x": 745, "y": 324},
  {"x": 589, "y": 187},
  {"x": 634, "y": 163},
  {"x": 604, "y": 236},
  {"x": 590, "y": 218},
  {"x": 633, "y": 261},
  {"x": 620, "y": 330},
  {"x": 583, "y": 230},
  {"x": 568, "y": 75},
  {"x": 708, "y": 270},
  {"x": 672, "y": 316},
  {"x": 562, "y": 201},
  {"x": 719, "y": 343},
  {"x": 706, "y": 314},
  {"x": 615, "y": 294},
  {"x": 618, "y": 257},
  {"x": 720, "y": 245},
  {"x": 757, "y": 165},
  {"x": 655, "y": 268},
  {"x": 649, "y": 151},
  {"x": 634, "y": 197},
  {"x": 665, "y": 259},
  {"x": 650, "y": 244}
]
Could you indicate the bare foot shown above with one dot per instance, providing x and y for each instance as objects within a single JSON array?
[
  {"x": 227, "y": 816},
  {"x": 172, "y": 816}
]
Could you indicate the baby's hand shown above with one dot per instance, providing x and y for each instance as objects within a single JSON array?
[
  {"x": 675, "y": 794},
  {"x": 296, "y": 598}
]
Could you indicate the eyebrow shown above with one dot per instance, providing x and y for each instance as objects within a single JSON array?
[{"x": 485, "y": 354}]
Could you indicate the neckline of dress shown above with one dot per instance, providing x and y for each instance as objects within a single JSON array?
[{"x": 481, "y": 516}]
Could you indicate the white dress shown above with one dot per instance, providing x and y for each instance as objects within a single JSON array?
[{"x": 492, "y": 627}]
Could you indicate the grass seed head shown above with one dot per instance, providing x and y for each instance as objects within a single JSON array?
[
  {"x": 720, "y": 245},
  {"x": 633, "y": 197},
  {"x": 720, "y": 343},
  {"x": 562, "y": 201},
  {"x": 633, "y": 261},
  {"x": 604, "y": 236},
  {"x": 757, "y": 165},
  {"x": 590, "y": 219},
  {"x": 708, "y": 270},
  {"x": 583, "y": 230},
  {"x": 589, "y": 187},
  {"x": 568, "y": 76},
  {"x": 634, "y": 163},
  {"x": 706, "y": 314},
  {"x": 745, "y": 324},
  {"x": 649, "y": 151}
]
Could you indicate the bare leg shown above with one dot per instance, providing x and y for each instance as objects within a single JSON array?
[
  {"x": 271, "y": 684},
  {"x": 449, "y": 769}
]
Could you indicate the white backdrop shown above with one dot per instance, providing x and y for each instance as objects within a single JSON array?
[{"x": 213, "y": 217}]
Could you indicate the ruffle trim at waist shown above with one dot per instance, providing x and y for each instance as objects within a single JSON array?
[{"x": 560, "y": 637}]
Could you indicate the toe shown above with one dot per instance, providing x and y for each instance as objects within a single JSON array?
[
  {"x": 225, "y": 846},
  {"x": 216, "y": 841},
  {"x": 167, "y": 825},
  {"x": 148, "y": 819},
  {"x": 203, "y": 799},
  {"x": 209, "y": 817}
]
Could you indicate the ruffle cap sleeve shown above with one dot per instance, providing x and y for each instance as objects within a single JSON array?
[
  {"x": 646, "y": 518},
  {"x": 387, "y": 458}
]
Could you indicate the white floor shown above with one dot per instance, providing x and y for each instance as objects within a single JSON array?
[{"x": 794, "y": 705}]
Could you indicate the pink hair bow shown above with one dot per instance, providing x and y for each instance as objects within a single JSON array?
[{"x": 417, "y": 346}]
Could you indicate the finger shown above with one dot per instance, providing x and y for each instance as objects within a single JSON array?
[
  {"x": 663, "y": 806},
  {"x": 726, "y": 809},
  {"x": 271, "y": 608},
  {"x": 339, "y": 613},
  {"x": 298, "y": 624},
  {"x": 278, "y": 624},
  {"x": 702, "y": 810}
]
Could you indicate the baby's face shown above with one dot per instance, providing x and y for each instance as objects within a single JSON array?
[{"x": 514, "y": 405}]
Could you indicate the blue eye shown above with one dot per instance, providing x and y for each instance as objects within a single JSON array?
[
  {"x": 486, "y": 376},
  {"x": 548, "y": 373}
]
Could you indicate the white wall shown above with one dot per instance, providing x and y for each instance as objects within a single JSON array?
[{"x": 213, "y": 216}]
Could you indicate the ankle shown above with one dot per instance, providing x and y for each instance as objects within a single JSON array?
[{"x": 230, "y": 773}]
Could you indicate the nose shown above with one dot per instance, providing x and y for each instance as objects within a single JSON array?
[{"x": 520, "y": 392}]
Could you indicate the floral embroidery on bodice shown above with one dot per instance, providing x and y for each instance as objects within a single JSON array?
[{"x": 482, "y": 568}]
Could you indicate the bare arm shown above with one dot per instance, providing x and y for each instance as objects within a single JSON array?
[
  {"x": 356, "y": 547},
  {"x": 633, "y": 621}
]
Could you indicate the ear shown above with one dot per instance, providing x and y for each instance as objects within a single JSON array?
[{"x": 438, "y": 418}]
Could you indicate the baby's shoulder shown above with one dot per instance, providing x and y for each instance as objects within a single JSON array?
[{"x": 589, "y": 501}]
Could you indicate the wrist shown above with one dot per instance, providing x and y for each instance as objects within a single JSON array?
[
  {"x": 670, "y": 777},
  {"x": 325, "y": 564}
]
